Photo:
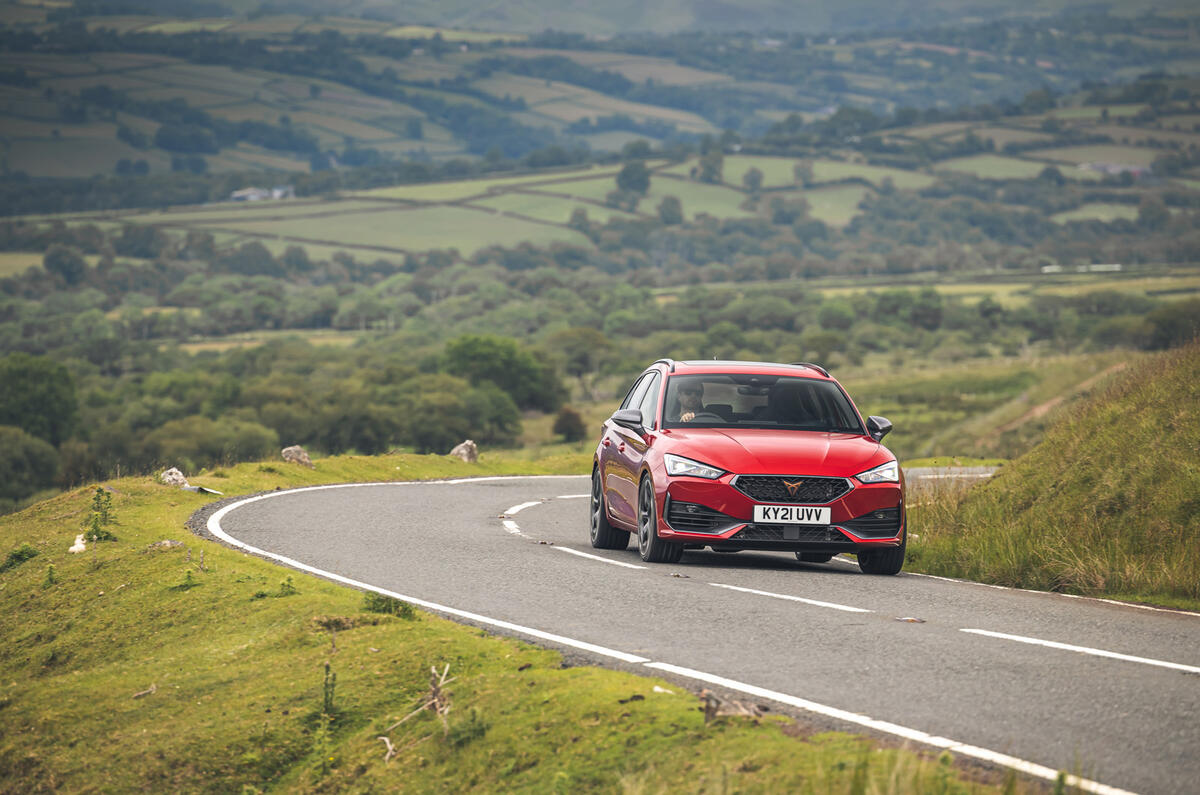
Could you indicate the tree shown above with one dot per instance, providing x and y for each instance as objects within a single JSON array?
[
  {"x": 711, "y": 166},
  {"x": 532, "y": 384},
  {"x": 1152, "y": 213},
  {"x": 66, "y": 263},
  {"x": 37, "y": 395},
  {"x": 753, "y": 180},
  {"x": 670, "y": 211},
  {"x": 634, "y": 177},
  {"x": 27, "y": 465}
]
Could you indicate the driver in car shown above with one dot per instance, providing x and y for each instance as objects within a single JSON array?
[{"x": 691, "y": 401}]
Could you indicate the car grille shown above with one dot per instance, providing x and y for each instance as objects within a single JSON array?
[
  {"x": 689, "y": 517},
  {"x": 779, "y": 532},
  {"x": 772, "y": 488},
  {"x": 883, "y": 523}
]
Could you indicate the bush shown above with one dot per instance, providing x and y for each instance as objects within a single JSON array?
[{"x": 569, "y": 425}]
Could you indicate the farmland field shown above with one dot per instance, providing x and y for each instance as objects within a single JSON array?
[
  {"x": 833, "y": 170},
  {"x": 836, "y": 205},
  {"x": 1098, "y": 212},
  {"x": 1124, "y": 155},
  {"x": 635, "y": 67},
  {"x": 551, "y": 209},
  {"x": 14, "y": 262},
  {"x": 417, "y": 229},
  {"x": 994, "y": 167},
  {"x": 461, "y": 189},
  {"x": 566, "y": 103}
]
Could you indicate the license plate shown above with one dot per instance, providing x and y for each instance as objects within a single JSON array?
[{"x": 791, "y": 514}]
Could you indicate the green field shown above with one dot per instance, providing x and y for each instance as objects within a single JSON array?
[
  {"x": 994, "y": 167},
  {"x": 1098, "y": 212},
  {"x": 15, "y": 262},
  {"x": 635, "y": 67},
  {"x": 462, "y": 189},
  {"x": 566, "y": 103},
  {"x": 552, "y": 209},
  {"x": 833, "y": 171},
  {"x": 836, "y": 205},
  {"x": 418, "y": 229},
  {"x": 1124, "y": 155}
]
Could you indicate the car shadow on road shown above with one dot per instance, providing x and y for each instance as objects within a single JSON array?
[{"x": 761, "y": 561}]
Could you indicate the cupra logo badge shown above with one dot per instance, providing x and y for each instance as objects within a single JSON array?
[{"x": 793, "y": 486}]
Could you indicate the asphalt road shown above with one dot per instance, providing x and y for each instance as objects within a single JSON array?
[{"x": 1117, "y": 702}]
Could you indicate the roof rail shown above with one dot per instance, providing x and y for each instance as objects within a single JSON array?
[
  {"x": 812, "y": 366},
  {"x": 671, "y": 362}
]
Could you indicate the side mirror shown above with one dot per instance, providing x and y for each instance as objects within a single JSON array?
[
  {"x": 878, "y": 427},
  {"x": 628, "y": 418}
]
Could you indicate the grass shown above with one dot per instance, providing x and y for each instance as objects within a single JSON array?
[
  {"x": 1103, "y": 153},
  {"x": 833, "y": 170},
  {"x": 1105, "y": 505},
  {"x": 418, "y": 229},
  {"x": 836, "y": 205},
  {"x": 994, "y": 167},
  {"x": 13, "y": 263},
  {"x": 1098, "y": 212},
  {"x": 198, "y": 668},
  {"x": 960, "y": 410}
]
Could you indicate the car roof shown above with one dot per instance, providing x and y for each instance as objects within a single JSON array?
[{"x": 749, "y": 368}]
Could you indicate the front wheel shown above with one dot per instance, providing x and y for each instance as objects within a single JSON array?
[
  {"x": 883, "y": 561},
  {"x": 603, "y": 534},
  {"x": 652, "y": 548}
]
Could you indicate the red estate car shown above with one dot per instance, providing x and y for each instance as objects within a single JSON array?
[{"x": 747, "y": 455}]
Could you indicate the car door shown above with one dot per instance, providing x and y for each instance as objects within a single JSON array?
[{"x": 629, "y": 450}]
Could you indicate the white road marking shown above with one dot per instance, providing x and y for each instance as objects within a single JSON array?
[
  {"x": 1055, "y": 594},
  {"x": 915, "y": 735},
  {"x": 1030, "y": 768},
  {"x": 1050, "y": 644},
  {"x": 572, "y": 496},
  {"x": 214, "y": 527},
  {"x": 590, "y": 556},
  {"x": 813, "y": 602},
  {"x": 516, "y": 509}
]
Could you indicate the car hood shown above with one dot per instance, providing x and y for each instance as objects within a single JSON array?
[{"x": 761, "y": 451}]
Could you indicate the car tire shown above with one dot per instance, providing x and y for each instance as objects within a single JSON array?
[
  {"x": 652, "y": 548},
  {"x": 882, "y": 561},
  {"x": 603, "y": 534},
  {"x": 814, "y": 557}
]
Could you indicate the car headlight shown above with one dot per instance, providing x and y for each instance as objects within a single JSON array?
[
  {"x": 886, "y": 473},
  {"x": 678, "y": 465}
]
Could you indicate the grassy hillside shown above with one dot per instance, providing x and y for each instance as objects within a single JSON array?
[
  {"x": 1105, "y": 505},
  {"x": 142, "y": 666}
]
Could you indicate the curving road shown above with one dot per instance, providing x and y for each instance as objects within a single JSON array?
[{"x": 1035, "y": 681}]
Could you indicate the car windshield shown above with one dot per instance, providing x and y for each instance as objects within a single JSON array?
[{"x": 721, "y": 400}]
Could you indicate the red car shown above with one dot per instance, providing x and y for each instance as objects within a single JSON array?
[{"x": 747, "y": 455}]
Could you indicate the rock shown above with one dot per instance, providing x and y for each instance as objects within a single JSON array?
[
  {"x": 173, "y": 477},
  {"x": 164, "y": 545},
  {"x": 79, "y": 545},
  {"x": 296, "y": 455},
  {"x": 467, "y": 451}
]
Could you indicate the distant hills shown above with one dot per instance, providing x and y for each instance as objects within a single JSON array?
[{"x": 668, "y": 16}]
